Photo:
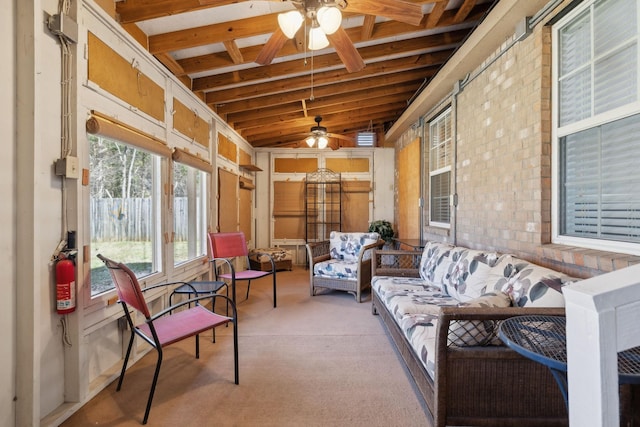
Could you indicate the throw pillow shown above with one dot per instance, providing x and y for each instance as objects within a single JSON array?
[
  {"x": 532, "y": 285},
  {"x": 433, "y": 255},
  {"x": 464, "y": 333},
  {"x": 468, "y": 277},
  {"x": 347, "y": 246}
]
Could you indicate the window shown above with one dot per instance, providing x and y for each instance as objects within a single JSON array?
[
  {"x": 124, "y": 207},
  {"x": 440, "y": 170},
  {"x": 189, "y": 207},
  {"x": 597, "y": 126}
]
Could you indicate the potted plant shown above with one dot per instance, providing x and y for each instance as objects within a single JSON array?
[{"x": 383, "y": 228}]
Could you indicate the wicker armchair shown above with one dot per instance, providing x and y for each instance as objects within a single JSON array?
[{"x": 343, "y": 262}]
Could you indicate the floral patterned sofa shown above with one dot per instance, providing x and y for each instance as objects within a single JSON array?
[
  {"x": 343, "y": 262},
  {"x": 442, "y": 308}
]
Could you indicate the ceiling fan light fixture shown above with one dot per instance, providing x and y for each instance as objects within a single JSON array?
[
  {"x": 311, "y": 141},
  {"x": 323, "y": 141},
  {"x": 317, "y": 38},
  {"x": 290, "y": 22},
  {"x": 330, "y": 19}
]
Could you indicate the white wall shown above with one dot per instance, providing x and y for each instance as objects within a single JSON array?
[
  {"x": 383, "y": 178},
  {"x": 8, "y": 212},
  {"x": 39, "y": 350}
]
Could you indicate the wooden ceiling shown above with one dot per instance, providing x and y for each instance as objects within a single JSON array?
[{"x": 212, "y": 46}]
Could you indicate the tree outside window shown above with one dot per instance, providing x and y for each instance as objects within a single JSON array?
[{"x": 123, "y": 208}]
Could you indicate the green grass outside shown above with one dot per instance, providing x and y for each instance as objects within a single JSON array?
[{"x": 129, "y": 253}]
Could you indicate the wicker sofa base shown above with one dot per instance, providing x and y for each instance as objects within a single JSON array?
[{"x": 481, "y": 386}]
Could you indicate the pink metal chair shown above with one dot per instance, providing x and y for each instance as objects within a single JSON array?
[
  {"x": 233, "y": 245},
  {"x": 168, "y": 326}
]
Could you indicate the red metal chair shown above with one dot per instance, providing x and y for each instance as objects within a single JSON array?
[
  {"x": 233, "y": 245},
  {"x": 168, "y": 326}
]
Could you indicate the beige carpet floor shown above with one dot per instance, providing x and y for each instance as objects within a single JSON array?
[{"x": 312, "y": 361}]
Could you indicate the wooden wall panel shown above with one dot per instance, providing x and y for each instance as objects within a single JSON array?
[
  {"x": 408, "y": 185},
  {"x": 295, "y": 165},
  {"x": 114, "y": 74},
  {"x": 227, "y": 201},
  {"x": 289, "y": 227},
  {"x": 340, "y": 165},
  {"x": 187, "y": 122},
  {"x": 245, "y": 158},
  {"x": 227, "y": 149},
  {"x": 288, "y": 210},
  {"x": 355, "y": 212}
]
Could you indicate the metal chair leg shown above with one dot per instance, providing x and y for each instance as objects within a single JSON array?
[
  {"x": 153, "y": 386},
  {"x": 126, "y": 360}
]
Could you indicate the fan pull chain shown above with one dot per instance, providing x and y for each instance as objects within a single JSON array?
[{"x": 311, "y": 97}]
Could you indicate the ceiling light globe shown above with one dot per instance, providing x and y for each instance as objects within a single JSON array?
[
  {"x": 317, "y": 39},
  {"x": 323, "y": 142},
  {"x": 329, "y": 19},
  {"x": 310, "y": 141},
  {"x": 290, "y": 22}
]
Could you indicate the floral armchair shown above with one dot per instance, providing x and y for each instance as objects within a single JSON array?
[{"x": 343, "y": 262}]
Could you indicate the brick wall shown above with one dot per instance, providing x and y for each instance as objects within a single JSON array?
[
  {"x": 503, "y": 161},
  {"x": 500, "y": 142}
]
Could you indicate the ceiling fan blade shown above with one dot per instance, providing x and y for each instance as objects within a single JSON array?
[
  {"x": 346, "y": 50},
  {"x": 398, "y": 10},
  {"x": 271, "y": 47},
  {"x": 343, "y": 137}
]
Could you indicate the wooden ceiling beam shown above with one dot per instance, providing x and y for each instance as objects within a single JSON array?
[
  {"x": 142, "y": 10},
  {"x": 366, "y": 33},
  {"x": 464, "y": 10},
  {"x": 343, "y": 108},
  {"x": 212, "y": 61},
  {"x": 281, "y": 85},
  {"x": 436, "y": 14},
  {"x": 424, "y": 46},
  {"x": 333, "y": 122},
  {"x": 266, "y": 140},
  {"x": 234, "y": 51},
  {"x": 214, "y": 33},
  {"x": 248, "y": 27},
  {"x": 336, "y": 88},
  {"x": 333, "y": 100}
]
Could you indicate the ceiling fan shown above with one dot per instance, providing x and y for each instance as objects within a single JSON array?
[
  {"x": 324, "y": 19},
  {"x": 320, "y": 138}
]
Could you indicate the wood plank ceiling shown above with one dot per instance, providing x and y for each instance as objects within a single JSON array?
[{"x": 212, "y": 46}]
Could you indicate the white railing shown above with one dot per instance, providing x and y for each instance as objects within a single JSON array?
[{"x": 603, "y": 318}]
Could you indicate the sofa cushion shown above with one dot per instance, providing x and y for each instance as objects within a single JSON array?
[
  {"x": 467, "y": 277},
  {"x": 337, "y": 269},
  {"x": 478, "y": 332},
  {"x": 402, "y": 302},
  {"x": 500, "y": 273},
  {"x": 433, "y": 256},
  {"x": 383, "y": 284},
  {"x": 347, "y": 246},
  {"x": 420, "y": 332},
  {"x": 262, "y": 254},
  {"x": 531, "y": 285}
]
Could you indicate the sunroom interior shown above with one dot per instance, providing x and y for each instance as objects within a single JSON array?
[{"x": 137, "y": 127}]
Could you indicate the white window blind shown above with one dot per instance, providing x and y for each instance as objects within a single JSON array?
[
  {"x": 601, "y": 181},
  {"x": 440, "y": 152},
  {"x": 598, "y": 68},
  {"x": 599, "y": 122}
]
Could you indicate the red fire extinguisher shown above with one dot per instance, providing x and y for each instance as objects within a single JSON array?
[{"x": 65, "y": 285}]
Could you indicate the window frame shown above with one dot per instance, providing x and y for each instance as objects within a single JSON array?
[
  {"x": 201, "y": 206},
  {"x": 442, "y": 170},
  {"x": 94, "y": 303},
  {"x": 595, "y": 120}
]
